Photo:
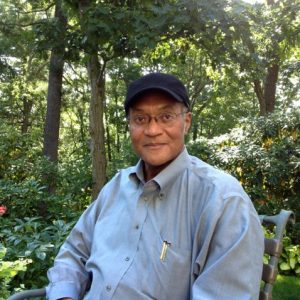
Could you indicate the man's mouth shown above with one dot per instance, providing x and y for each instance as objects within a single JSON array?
[{"x": 154, "y": 145}]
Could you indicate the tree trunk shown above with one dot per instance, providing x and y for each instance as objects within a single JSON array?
[
  {"x": 266, "y": 95},
  {"x": 27, "y": 106},
  {"x": 51, "y": 131},
  {"x": 96, "y": 72},
  {"x": 108, "y": 143},
  {"x": 270, "y": 87},
  {"x": 258, "y": 89},
  {"x": 97, "y": 81},
  {"x": 51, "y": 134},
  {"x": 118, "y": 143}
]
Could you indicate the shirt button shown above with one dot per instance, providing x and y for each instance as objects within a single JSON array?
[
  {"x": 127, "y": 258},
  {"x": 108, "y": 288},
  {"x": 137, "y": 226}
]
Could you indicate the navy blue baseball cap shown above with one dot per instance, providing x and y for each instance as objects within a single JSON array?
[{"x": 160, "y": 82}]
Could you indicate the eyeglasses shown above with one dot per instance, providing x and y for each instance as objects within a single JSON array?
[{"x": 163, "y": 119}]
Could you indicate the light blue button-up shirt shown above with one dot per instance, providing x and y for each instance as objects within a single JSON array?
[{"x": 189, "y": 233}]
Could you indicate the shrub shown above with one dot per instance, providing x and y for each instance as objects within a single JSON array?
[
  {"x": 289, "y": 262},
  {"x": 8, "y": 270},
  {"x": 21, "y": 198},
  {"x": 35, "y": 240},
  {"x": 18, "y": 153}
]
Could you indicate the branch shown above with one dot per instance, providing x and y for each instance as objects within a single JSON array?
[
  {"x": 37, "y": 10},
  {"x": 20, "y": 25},
  {"x": 46, "y": 9}
]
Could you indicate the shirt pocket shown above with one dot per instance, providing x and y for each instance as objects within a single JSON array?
[{"x": 168, "y": 278}]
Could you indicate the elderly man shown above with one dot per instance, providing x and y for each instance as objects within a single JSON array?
[{"x": 170, "y": 228}]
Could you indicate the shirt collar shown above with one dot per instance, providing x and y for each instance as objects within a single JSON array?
[
  {"x": 167, "y": 175},
  {"x": 137, "y": 173},
  {"x": 173, "y": 170}
]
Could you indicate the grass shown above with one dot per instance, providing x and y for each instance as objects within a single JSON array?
[{"x": 286, "y": 288}]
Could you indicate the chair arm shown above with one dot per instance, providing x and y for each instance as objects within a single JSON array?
[{"x": 28, "y": 293}]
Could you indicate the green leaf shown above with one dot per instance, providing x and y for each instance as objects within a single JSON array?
[
  {"x": 292, "y": 262},
  {"x": 284, "y": 266}
]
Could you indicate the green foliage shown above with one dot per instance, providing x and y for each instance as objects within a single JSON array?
[
  {"x": 8, "y": 270},
  {"x": 264, "y": 155},
  {"x": 23, "y": 198},
  {"x": 13, "y": 146},
  {"x": 289, "y": 261},
  {"x": 36, "y": 240},
  {"x": 24, "y": 233},
  {"x": 74, "y": 187},
  {"x": 286, "y": 288},
  {"x": 22, "y": 181}
]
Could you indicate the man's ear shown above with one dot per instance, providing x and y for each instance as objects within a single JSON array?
[{"x": 188, "y": 122}]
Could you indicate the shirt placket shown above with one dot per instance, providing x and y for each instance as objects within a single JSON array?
[
  {"x": 146, "y": 195},
  {"x": 111, "y": 287}
]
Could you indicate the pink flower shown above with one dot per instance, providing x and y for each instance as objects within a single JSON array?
[{"x": 3, "y": 210}]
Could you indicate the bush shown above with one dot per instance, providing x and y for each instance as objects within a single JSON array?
[
  {"x": 8, "y": 270},
  {"x": 35, "y": 240},
  {"x": 21, "y": 198},
  {"x": 289, "y": 262},
  {"x": 19, "y": 153}
]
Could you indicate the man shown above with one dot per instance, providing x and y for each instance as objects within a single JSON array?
[{"x": 170, "y": 228}]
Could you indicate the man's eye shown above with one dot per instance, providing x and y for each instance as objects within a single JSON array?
[
  {"x": 140, "y": 119},
  {"x": 167, "y": 117}
]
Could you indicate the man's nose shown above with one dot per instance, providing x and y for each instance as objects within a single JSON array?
[{"x": 153, "y": 127}]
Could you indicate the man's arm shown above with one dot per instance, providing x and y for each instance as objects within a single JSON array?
[{"x": 233, "y": 266}]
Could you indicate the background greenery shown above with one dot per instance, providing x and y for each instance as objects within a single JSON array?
[
  {"x": 286, "y": 288},
  {"x": 231, "y": 55}
]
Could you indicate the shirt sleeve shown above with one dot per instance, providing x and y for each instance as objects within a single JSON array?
[
  {"x": 68, "y": 277},
  {"x": 231, "y": 266}
]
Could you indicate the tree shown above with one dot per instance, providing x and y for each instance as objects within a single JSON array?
[
  {"x": 260, "y": 38},
  {"x": 22, "y": 67},
  {"x": 284, "y": 35},
  {"x": 268, "y": 34},
  {"x": 52, "y": 122}
]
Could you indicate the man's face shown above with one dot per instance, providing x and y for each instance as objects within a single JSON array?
[{"x": 157, "y": 143}]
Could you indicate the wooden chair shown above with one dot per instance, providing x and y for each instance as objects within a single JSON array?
[{"x": 273, "y": 248}]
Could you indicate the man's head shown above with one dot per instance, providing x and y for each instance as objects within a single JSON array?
[{"x": 157, "y": 107}]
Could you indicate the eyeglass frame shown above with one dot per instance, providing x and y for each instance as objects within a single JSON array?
[{"x": 156, "y": 118}]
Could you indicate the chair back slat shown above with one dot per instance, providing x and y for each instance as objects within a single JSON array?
[
  {"x": 273, "y": 249},
  {"x": 269, "y": 273}
]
